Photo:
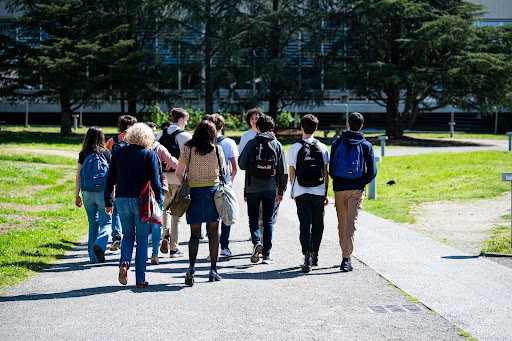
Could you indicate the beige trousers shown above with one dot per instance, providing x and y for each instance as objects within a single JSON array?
[
  {"x": 170, "y": 223},
  {"x": 348, "y": 205}
]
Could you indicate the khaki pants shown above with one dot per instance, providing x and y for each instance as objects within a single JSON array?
[
  {"x": 170, "y": 223},
  {"x": 348, "y": 205}
]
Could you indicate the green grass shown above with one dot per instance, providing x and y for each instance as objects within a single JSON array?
[
  {"x": 435, "y": 177},
  {"x": 499, "y": 242},
  {"x": 466, "y": 335},
  {"x": 36, "y": 238},
  {"x": 460, "y": 136}
]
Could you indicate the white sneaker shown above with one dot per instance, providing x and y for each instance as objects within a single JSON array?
[
  {"x": 268, "y": 260},
  {"x": 226, "y": 253}
]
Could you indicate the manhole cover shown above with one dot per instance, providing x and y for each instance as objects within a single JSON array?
[{"x": 394, "y": 308}]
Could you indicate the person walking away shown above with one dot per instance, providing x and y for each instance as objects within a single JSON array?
[
  {"x": 308, "y": 160},
  {"x": 351, "y": 167},
  {"x": 163, "y": 156},
  {"x": 199, "y": 157},
  {"x": 91, "y": 176},
  {"x": 230, "y": 154},
  {"x": 132, "y": 166},
  {"x": 264, "y": 161},
  {"x": 173, "y": 139},
  {"x": 123, "y": 123}
]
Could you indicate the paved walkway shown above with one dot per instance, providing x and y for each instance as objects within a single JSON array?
[{"x": 76, "y": 300}]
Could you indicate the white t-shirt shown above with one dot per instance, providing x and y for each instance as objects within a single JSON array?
[
  {"x": 182, "y": 138},
  {"x": 229, "y": 149},
  {"x": 246, "y": 137},
  {"x": 291, "y": 159}
]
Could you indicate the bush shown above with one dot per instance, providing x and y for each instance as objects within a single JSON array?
[
  {"x": 155, "y": 114},
  {"x": 285, "y": 119}
]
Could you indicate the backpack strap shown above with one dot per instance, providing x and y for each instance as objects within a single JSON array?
[
  {"x": 176, "y": 132},
  {"x": 116, "y": 139},
  {"x": 221, "y": 138}
]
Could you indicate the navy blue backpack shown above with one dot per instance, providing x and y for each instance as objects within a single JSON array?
[
  {"x": 348, "y": 161},
  {"x": 93, "y": 175}
]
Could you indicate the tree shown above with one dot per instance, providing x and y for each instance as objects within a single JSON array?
[
  {"x": 53, "y": 61},
  {"x": 409, "y": 56}
]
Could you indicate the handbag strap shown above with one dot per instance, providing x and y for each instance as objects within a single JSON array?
[
  {"x": 221, "y": 175},
  {"x": 146, "y": 167}
]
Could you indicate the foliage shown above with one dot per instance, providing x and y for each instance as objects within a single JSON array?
[
  {"x": 154, "y": 114},
  {"x": 434, "y": 177},
  {"x": 285, "y": 119}
]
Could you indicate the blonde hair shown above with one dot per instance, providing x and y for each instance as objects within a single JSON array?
[{"x": 141, "y": 135}]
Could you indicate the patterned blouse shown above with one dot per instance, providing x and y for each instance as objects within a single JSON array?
[{"x": 203, "y": 169}]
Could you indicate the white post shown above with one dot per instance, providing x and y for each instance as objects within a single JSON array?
[
  {"x": 81, "y": 116},
  {"x": 346, "y": 116},
  {"x": 26, "y": 113},
  {"x": 496, "y": 121},
  {"x": 509, "y": 133},
  {"x": 372, "y": 186},
  {"x": 383, "y": 140},
  {"x": 452, "y": 123},
  {"x": 75, "y": 121}
]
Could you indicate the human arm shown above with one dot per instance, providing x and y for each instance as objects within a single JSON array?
[
  {"x": 154, "y": 174},
  {"x": 109, "y": 186},
  {"x": 180, "y": 170},
  {"x": 243, "y": 160},
  {"x": 326, "y": 179},
  {"x": 164, "y": 155},
  {"x": 291, "y": 170},
  {"x": 78, "y": 199},
  {"x": 234, "y": 168},
  {"x": 281, "y": 173}
]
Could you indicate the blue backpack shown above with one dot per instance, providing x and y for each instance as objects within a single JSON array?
[
  {"x": 348, "y": 161},
  {"x": 93, "y": 175}
]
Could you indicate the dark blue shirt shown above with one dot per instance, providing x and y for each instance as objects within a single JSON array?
[
  {"x": 127, "y": 173},
  {"x": 369, "y": 169}
]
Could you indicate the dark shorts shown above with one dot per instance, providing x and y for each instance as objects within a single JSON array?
[{"x": 202, "y": 207}]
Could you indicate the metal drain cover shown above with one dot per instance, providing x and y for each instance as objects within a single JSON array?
[{"x": 394, "y": 308}]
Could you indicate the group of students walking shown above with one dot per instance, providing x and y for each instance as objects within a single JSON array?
[{"x": 111, "y": 176}]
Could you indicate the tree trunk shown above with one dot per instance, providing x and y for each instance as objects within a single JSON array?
[
  {"x": 208, "y": 56},
  {"x": 273, "y": 101},
  {"x": 132, "y": 106},
  {"x": 65, "y": 116},
  {"x": 394, "y": 127},
  {"x": 122, "y": 103}
]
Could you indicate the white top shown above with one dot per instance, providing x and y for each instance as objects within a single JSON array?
[
  {"x": 291, "y": 160},
  {"x": 246, "y": 137},
  {"x": 182, "y": 138},
  {"x": 229, "y": 149}
]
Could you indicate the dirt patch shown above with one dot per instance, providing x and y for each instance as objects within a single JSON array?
[
  {"x": 46, "y": 152},
  {"x": 464, "y": 225},
  {"x": 30, "y": 208}
]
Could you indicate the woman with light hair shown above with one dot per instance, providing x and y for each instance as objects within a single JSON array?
[{"x": 132, "y": 166}]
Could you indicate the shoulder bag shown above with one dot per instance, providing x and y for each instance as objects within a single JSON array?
[
  {"x": 181, "y": 200},
  {"x": 225, "y": 198},
  {"x": 149, "y": 208}
]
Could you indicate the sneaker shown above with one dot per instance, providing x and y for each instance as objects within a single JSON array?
[
  {"x": 123, "y": 273},
  {"x": 268, "y": 260},
  {"x": 306, "y": 267},
  {"x": 175, "y": 254},
  {"x": 255, "y": 257},
  {"x": 139, "y": 285},
  {"x": 226, "y": 253},
  {"x": 189, "y": 277},
  {"x": 155, "y": 260},
  {"x": 164, "y": 246},
  {"x": 116, "y": 244},
  {"x": 209, "y": 259},
  {"x": 100, "y": 254},
  {"x": 314, "y": 260},
  {"x": 346, "y": 265},
  {"x": 214, "y": 276}
]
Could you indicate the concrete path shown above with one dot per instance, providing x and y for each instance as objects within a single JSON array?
[
  {"x": 501, "y": 145},
  {"x": 75, "y": 300}
]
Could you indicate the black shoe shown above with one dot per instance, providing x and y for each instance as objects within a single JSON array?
[
  {"x": 116, "y": 244},
  {"x": 346, "y": 265},
  {"x": 189, "y": 277},
  {"x": 306, "y": 267},
  {"x": 255, "y": 257},
  {"x": 100, "y": 254},
  {"x": 314, "y": 260}
]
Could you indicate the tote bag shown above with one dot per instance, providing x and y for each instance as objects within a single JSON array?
[
  {"x": 225, "y": 198},
  {"x": 181, "y": 201},
  {"x": 149, "y": 209}
]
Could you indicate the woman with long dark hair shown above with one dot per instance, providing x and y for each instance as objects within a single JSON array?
[
  {"x": 96, "y": 159},
  {"x": 199, "y": 158}
]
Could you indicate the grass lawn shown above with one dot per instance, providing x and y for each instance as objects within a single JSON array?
[
  {"x": 38, "y": 219},
  {"x": 435, "y": 177}
]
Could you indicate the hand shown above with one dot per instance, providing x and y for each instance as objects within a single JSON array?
[
  {"x": 326, "y": 201},
  {"x": 279, "y": 198},
  {"x": 245, "y": 199},
  {"x": 78, "y": 201},
  {"x": 167, "y": 167},
  {"x": 109, "y": 210}
]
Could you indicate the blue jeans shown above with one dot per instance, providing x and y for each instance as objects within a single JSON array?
[
  {"x": 267, "y": 200},
  {"x": 100, "y": 223},
  {"x": 156, "y": 230},
  {"x": 310, "y": 210},
  {"x": 116, "y": 224},
  {"x": 133, "y": 228}
]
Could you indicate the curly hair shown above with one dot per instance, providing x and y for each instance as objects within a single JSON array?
[
  {"x": 204, "y": 138},
  {"x": 141, "y": 135},
  {"x": 93, "y": 141},
  {"x": 253, "y": 111},
  {"x": 265, "y": 124},
  {"x": 124, "y": 121}
]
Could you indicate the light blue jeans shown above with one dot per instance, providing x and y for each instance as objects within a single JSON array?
[
  {"x": 100, "y": 223},
  {"x": 116, "y": 224},
  {"x": 133, "y": 229},
  {"x": 156, "y": 230}
]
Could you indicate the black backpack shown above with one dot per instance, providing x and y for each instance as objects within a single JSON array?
[
  {"x": 118, "y": 144},
  {"x": 263, "y": 161},
  {"x": 170, "y": 142},
  {"x": 309, "y": 168}
]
